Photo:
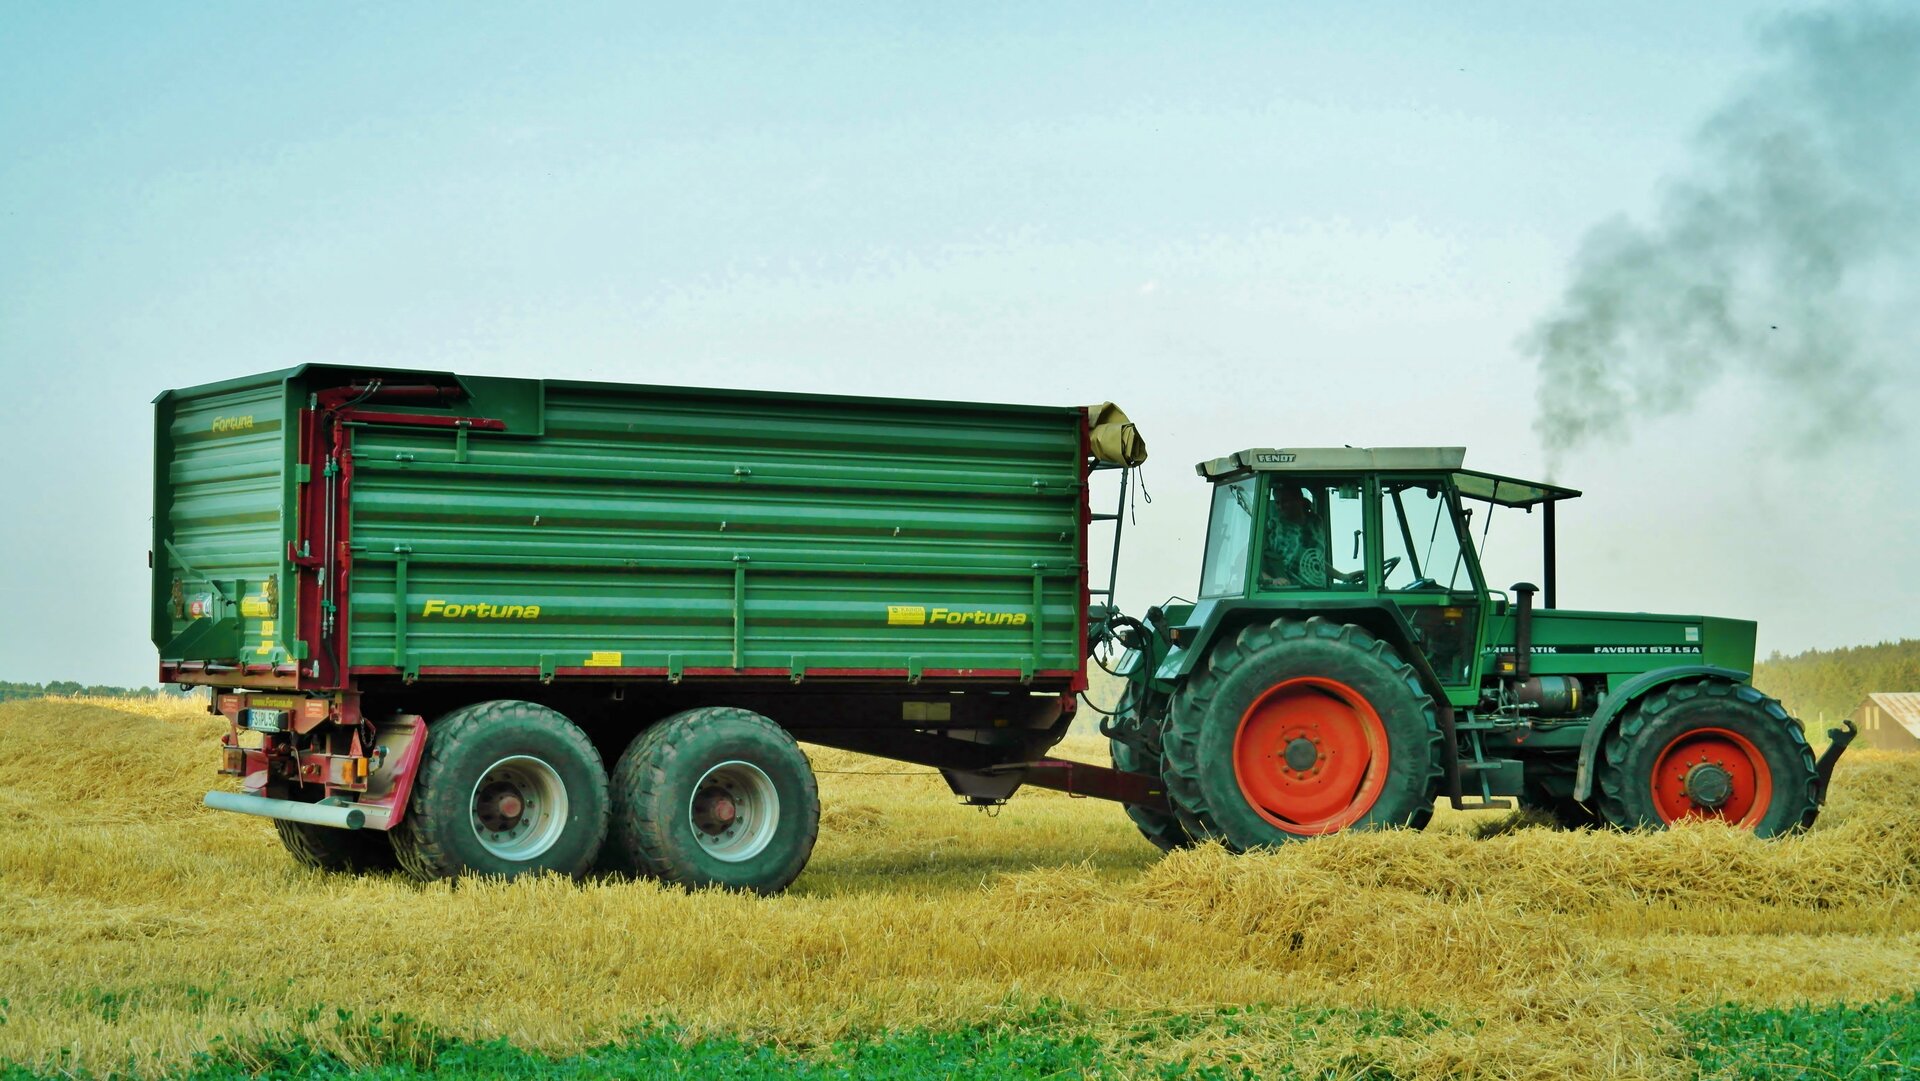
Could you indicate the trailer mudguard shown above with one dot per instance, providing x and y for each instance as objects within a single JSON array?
[{"x": 1618, "y": 700}]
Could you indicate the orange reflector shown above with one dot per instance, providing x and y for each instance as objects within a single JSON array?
[
  {"x": 1453, "y": 613},
  {"x": 233, "y": 760}
]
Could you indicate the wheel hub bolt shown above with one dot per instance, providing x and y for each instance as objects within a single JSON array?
[
  {"x": 510, "y": 806},
  {"x": 1709, "y": 785},
  {"x": 1301, "y": 754}
]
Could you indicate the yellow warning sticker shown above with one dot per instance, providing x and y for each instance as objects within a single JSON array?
[
  {"x": 256, "y": 607},
  {"x": 906, "y": 615},
  {"x": 603, "y": 659},
  {"x": 266, "y": 628}
]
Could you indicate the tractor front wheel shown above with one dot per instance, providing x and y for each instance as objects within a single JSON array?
[
  {"x": 1300, "y": 728},
  {"x": 1708, "y": 749}
]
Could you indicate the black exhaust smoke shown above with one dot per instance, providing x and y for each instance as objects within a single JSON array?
[{"x": 1786, "y": 256}]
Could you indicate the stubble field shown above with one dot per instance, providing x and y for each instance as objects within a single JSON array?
[{"x": 142, "y": 933}]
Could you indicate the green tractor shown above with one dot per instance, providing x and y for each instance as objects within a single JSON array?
[{"x": 1346, "y": 665}]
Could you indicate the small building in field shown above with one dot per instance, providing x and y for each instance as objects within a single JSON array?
[{"x": 1889, "y": 721}]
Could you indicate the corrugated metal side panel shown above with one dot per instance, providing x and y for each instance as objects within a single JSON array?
[
  {"x": 634, "y": 523},
  {"x": 220, "y": 500}
]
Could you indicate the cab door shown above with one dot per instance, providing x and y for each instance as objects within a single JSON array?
[{"x": 1428, "y": 569}]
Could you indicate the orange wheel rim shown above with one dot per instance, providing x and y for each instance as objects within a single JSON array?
[
  {"x": 1311, "y": 755},
  {"x": 1712, "y": 773}
]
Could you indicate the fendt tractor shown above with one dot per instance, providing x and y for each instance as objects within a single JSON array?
[{"x": 481, "y": 625}]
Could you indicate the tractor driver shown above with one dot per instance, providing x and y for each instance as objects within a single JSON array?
[
  {"x": 1295, "y": 555},
  {"x": 1296, "y": 548}
]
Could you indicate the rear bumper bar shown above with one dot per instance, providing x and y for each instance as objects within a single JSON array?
[{"x": 313, "y": 814}]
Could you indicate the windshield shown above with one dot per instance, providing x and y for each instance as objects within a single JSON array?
[
  {"x": 1421, "y": 547},
  {"x": 1224, "y": 571},
  {"x": 1507, "y": 546}
]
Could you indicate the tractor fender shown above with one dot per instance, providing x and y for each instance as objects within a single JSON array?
[
  {"x": 1211, "y": 619},
  {"x": 1626, "y": 695}
]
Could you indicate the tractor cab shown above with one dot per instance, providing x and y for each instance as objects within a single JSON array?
[{"x": 1341, "y": 525}]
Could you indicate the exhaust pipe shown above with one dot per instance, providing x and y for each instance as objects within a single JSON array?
[{"x": 313, "y": 814}]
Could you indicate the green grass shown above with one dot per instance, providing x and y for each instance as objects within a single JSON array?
[
  {"x": 1866, "y": 1041},
  {"x": 1874, "y": 1040}
]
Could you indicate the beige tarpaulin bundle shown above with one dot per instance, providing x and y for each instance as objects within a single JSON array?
[{"x": 1114, "y": 438}]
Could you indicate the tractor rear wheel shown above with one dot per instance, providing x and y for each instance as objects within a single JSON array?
[
  {"x": 1708, "y": 749},
  {"x": 505, "y": 788},
  {"x": 715, "y": 797},
  {"x": 1161, "y": 827},
  {"x": 1300, "y": 728},
  {"x": 325, "y": 848}
]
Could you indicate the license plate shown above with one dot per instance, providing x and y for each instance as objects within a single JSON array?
[{"x": 266, "y": 720}]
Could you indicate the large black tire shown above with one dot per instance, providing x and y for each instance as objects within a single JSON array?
[
  {"x": 542, "y": 806},
  {"x": 1672, "y": 728},
  {"x": 669, "y": 788},
  {"x": 1161, "y": 827},
  {"x": 1202, "y": 777},
  {"x": 325, "y": 848},
  {"x": 1551, "y": 794}
]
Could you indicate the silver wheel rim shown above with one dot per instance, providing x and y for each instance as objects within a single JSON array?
[
  {"x": 734, "y": 810},
  {"x": 519, "y": 808}
]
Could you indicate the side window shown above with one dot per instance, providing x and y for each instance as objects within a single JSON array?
[
  {"x": 1419, "y": 543},
  {"x": 1313, "y": 536},
  {"x": 1223, "y": 572}
]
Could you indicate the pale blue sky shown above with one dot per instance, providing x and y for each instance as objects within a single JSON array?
[{"x": 1254, "y": 225}]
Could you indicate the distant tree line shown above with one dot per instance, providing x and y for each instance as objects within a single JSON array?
[
  {"x": 1821, "y": 686},
  {"x": 66, "y": 688}
]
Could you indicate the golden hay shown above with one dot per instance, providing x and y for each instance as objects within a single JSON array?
[{"x": 138, "y": 926}]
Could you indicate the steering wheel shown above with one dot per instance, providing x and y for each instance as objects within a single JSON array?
[
  {"x": 1354, "y": 578},
  {"x": 1359, "y": 576}
]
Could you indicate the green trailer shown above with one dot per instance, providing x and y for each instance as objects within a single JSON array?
[{"x": 540, "y": 572}]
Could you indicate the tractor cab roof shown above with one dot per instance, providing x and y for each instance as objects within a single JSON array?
[{"x": 1473, "y": 483}]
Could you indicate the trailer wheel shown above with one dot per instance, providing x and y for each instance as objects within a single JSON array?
[
  {"x": 325, "y": 848},
  {"x": 505, "y": 788},
  {"x": 1301, "y": 728},
  {"x": 715, "y": 797},
  {"x": 1708, "y": 749}
]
